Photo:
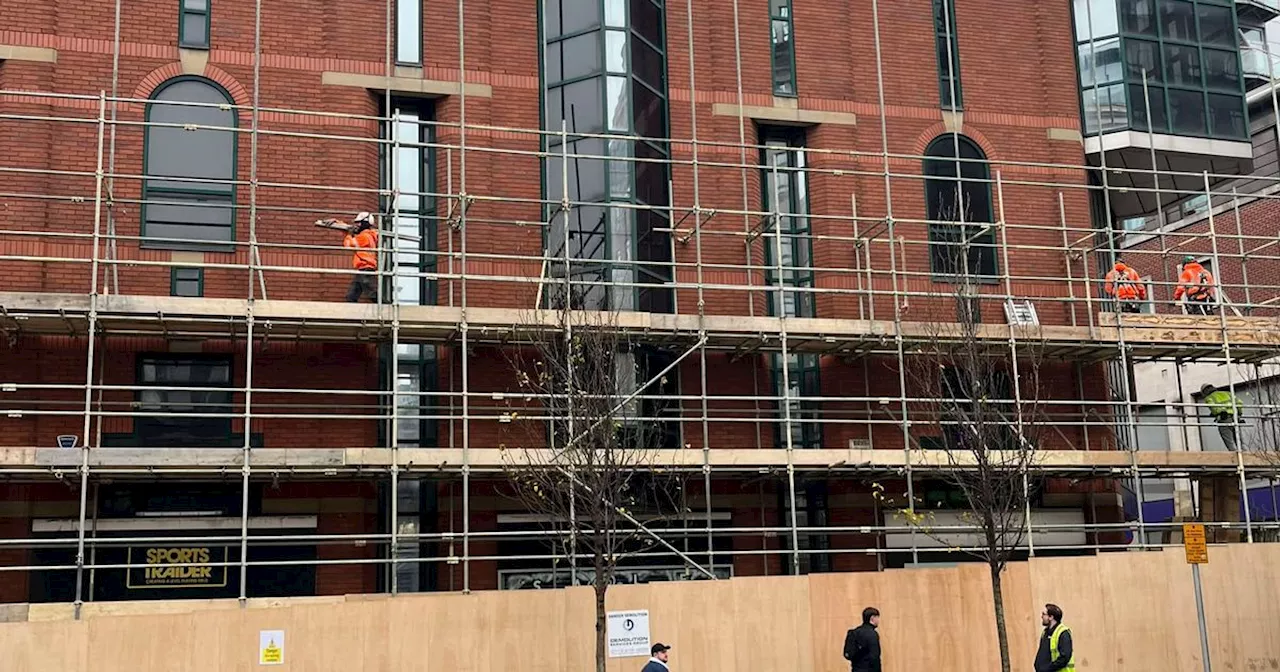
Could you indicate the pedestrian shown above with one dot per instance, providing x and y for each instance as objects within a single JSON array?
[
  {"x": 1055, "y": 643},
  {"x": 1224, "y": 408},
  {"x": 1196, "y": 283},
  {"x": 862, "y": 644},
  {"x": 658, "y": 658},
  {"x": 1125, "y": 288}
]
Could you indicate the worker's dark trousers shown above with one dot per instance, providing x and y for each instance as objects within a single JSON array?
[
  {"x": 1129, "y": 306},
  {"x": 1227, "y": 430},
  {"x": 1200, "y": 307},
  {"x": 363, "y": 284}
]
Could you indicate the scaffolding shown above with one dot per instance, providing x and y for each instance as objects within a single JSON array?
[{"x": 876, "y": 305}]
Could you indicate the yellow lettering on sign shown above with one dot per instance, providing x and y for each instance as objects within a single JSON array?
[{"x": 1194, "y": 544}]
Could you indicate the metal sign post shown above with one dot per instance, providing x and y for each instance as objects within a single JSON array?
[{"x": 1193, "y": 543}]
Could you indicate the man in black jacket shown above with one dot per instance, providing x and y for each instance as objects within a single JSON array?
[
  {"x": 1055, "y": 644},
  {"x": 862, "y": 644}
]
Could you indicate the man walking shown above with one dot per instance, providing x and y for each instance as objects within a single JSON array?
[
  {"x": 1055, "y": 644},
  {"x": 658, "y": 658},
  {"x": 1223, "y": 407},
  {"x": 862, "y": 644}
]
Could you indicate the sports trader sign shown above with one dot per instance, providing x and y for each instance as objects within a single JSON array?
[{"x": 177, "y": 567}]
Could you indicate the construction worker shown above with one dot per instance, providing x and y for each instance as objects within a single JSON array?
[
  {"x": 1196, "y": 283},
  {"x": 1224, "y": 408},
  {"x": 1056, "y": 652},
  {"x": 362, "y": 235},
  {"x": 1125, "y": 288}
]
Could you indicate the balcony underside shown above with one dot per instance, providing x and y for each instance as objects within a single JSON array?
[
  {"x": 175, "y": 318},
  {"x": 1181, "y": 160}
]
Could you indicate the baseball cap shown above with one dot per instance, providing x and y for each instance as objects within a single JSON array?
[{"x": 658, "y": 648}]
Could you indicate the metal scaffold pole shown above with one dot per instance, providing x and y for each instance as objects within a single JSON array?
[
  {"x": 1221, "y": 307},
  {"x": 466, "y": 271},
  {"x": 784, "y": 394},
  {"x": 702, "y": 301},
  {"x": 246, "y": 467},
  {"x": 893, "y": 275},
  {"x": 88, "y": 367},
  {"x": 393, "y": 379}
]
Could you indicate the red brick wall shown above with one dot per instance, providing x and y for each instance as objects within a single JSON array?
[{"x": 1236, "y": 256}]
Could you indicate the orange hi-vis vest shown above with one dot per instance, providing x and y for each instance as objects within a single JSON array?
[
  {"x": 1124, "y": 284},
  {"x": 365, "y": 240},
  {"x": 1195, "y": 282}
]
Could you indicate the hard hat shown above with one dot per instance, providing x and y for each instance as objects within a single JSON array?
[
  {"x": 1188, "y": 259},
  {"x": 364, "y": 218},
  {"x": 1206, "y": 389}
]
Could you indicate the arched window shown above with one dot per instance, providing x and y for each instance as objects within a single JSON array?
[
  {"x": 177, "y": 213},
  {"x": 957, "y": 189}
]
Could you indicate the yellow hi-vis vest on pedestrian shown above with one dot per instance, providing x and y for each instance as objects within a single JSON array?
[{"x": 1053, "y": 647}]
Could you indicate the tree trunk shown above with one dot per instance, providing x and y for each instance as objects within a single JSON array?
[
  {"x": 601, "y": 586},
  {"x": 1002, "y": 633}
]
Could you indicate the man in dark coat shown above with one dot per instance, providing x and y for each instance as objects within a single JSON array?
[
  {"x": 1055, "y": 643},
  {"x": 862, "y": 644},
  {"x": 658, "y": 661}
]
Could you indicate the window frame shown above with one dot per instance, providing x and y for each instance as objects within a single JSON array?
[
  {"x": 174, "y": 271},
  {"x": 804, "y": 368},
  {"x": 941, "y": 276},
  {"x": 421, "y": 46},
  {"x": 787, "y": 16},
  {"x": 148, "y": 191},
  {"x": 207, "y": 13},
  {"x": 171, "y": 358},
  {"x": 953, "y": 50}
]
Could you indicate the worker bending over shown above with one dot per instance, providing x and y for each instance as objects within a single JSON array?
[
  {"x": 362, "y": 235},
  {"x": 1224, "y": 407},
  {"x": 1196, "y": 283},
  {"x": 1125, "y": 288}
]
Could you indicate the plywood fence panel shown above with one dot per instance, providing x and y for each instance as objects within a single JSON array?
[
  {"x": 1129, "y": 612},
  {"x": 1242, "y": 608}
]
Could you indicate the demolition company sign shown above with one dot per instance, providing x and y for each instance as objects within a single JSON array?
[
  {"x": 177, "y": 567},
  {"x": 628, "y": 633}
]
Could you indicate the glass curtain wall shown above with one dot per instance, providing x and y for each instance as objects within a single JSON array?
[
  {"x": 1188, "y": 51},
  {"x": 604, "y": 85}
]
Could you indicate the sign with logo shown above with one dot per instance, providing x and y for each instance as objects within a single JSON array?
[
  {"x": 628, "y": 633},
  {"x": 271, "y": 647},
  {"x": 177, "y": 567},
  {"x": 1193, "y": 542}
]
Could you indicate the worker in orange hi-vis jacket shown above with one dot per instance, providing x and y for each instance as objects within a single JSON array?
[
  {"x": 1196, "y": 283},
  {"x": 362, "y": 236},
  {"x": 1125, "y": 288}
]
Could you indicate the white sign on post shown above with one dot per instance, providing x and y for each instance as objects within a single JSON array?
[
  {"x": 628, "y": 633},
  {"x": 271, "y": 647}
]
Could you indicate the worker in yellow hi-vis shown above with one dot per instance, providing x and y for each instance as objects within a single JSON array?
[
  {"x": 1224, "y": 408},
  {"x": 1055, "y": 643}
]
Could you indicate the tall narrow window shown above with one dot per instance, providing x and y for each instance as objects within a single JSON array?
[
  {"x": 193, "y": 24},
  {"x": 811, "y": 511},
  {"x": 604, "y": 72},
  {"x": 786, "y": 195},
  {"x": 409, "y": 170},
  {"x": 958, "y": 196},
  {"x": 781, "y": 30},
  {"x": 190, "y": 166},
  {"x": 944, "y": 24},
  {"x": 409, "y": 32},
  {"x": 184, "y": 281}
]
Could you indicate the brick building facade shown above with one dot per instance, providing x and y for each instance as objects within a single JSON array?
[{"x": 325, "y": 79}]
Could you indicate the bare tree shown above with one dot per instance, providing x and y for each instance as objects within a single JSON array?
[
  {"x": 984, "y": 400},
  {"x": 596, "y": 482}
]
